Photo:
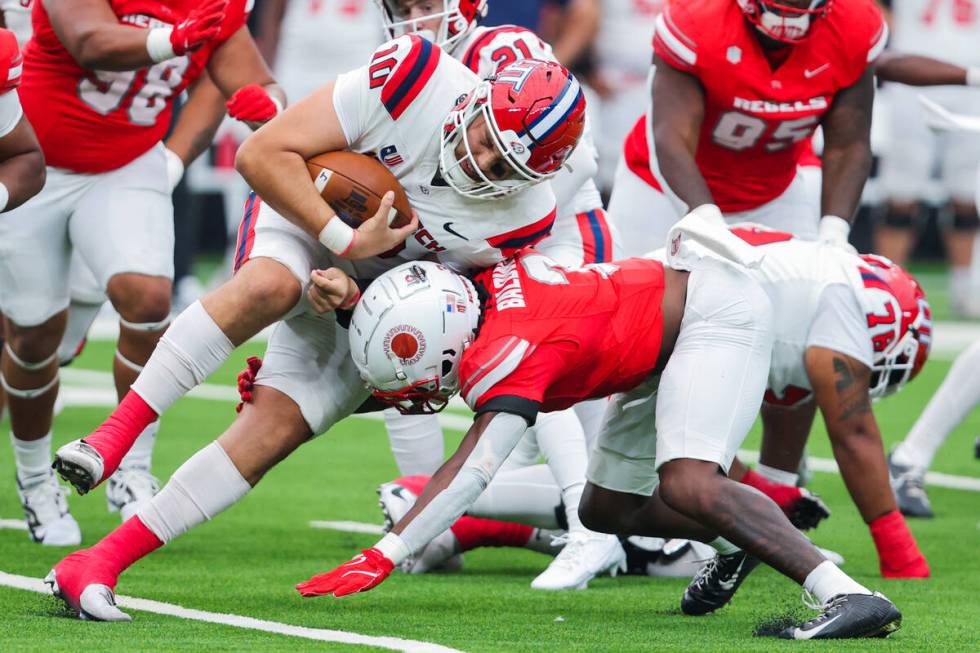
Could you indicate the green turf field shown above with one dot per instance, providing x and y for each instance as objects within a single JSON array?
[{"x": 247, "y": 561}]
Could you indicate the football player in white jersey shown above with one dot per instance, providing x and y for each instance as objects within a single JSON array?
[
  {"x": 581, "y": 235},
  {"x": 459, "y": 142},
  {"x": 949, "y": 31}
]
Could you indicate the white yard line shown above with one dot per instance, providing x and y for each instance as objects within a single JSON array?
[
  {"x": 349, "y": 527},
  {"x": 250, "y": 623},
  {"x": 13, "y": 524}
]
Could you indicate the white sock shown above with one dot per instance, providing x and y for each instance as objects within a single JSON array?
[
  {"x": 141, "y": 453},
  {"x": 778, "y": 475},
  {"x": 190, "y": 351},
  {"x": 541, "y": 539},
  {"x": 827, "y": 581},
  {"x": 562, "y": 442},
  {"x": 202, "y": 487},
  {"x": 80, "y": 319},
  {"x": 33, "y": 457},
  {"x": 528, "y": 495},
  {"x": 956, "y": 397},
  {"x": 723, "y": 546},
  {"x": 416, "y": 441}
]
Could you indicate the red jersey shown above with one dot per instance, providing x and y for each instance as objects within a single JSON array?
[
  {"x": 93, "y": 121},
  {"x": 757, "y": 121},
  {"x": 552, "y": 336},
  {"x": 11, "y": 64}
]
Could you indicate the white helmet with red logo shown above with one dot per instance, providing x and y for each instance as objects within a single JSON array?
[
  {"x": 408, "y": 334},
  {"x": 899, "y": 322},
  {"x": 784, "y": 22},
  {"x": 458, "y": 18},
  {"x": 535, "y": 114}
]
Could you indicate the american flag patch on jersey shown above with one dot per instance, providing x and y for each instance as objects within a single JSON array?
[{"x": 390, "y": 156}]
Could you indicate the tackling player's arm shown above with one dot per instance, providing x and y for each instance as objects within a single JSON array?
[
  {"x": 273, "y": 162},
  {"x": 22, "y": 170},
  {"x": 195, "y": 128},
  {"x": 92, "y": 34},
  {"x": 846, "y": 155},
  {"x": 450, "y": 491},
  {"x": 840, "y": 386},
  {"x": 915, "y": 70},
  {"x": 238, "y": 69},
  {"x": 679, "y": 98}
]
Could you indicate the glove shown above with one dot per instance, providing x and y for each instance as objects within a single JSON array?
[
  {"x": 246, "y": 381},
  {"x": 200, "y": 26},
  {"x": 834, "y": 231},
  {"x": 362, "y": 573},
  {"x": 253, "y": 103}
]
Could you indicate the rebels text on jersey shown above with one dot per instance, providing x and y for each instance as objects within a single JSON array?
[
  {"x": 395, "y": 109},
  {"x": 93, "y": 121},
  {"x": 552, "y": 336},
  {"x": 757, "y": 121}
]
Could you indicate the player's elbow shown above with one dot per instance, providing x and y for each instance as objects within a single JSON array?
[
  {"x": 248, "y": 158},
  {"x": 90, "y": 49},
  {"x": 36, "y": 173}
]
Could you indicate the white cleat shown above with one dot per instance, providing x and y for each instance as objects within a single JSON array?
[
  {"x": 80, "y": 464},
  {"x": 129, "y": 489},
  {"x": 441, "y": 554},
  {"x": 46, "y": 511},
  {"x": 97, "y": 602},
  {"x": 585, "y": 556}
]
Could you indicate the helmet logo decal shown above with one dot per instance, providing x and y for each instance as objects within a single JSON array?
[
  {"x": 516, "y": 74},
  {"x": 406, "y": 342}
]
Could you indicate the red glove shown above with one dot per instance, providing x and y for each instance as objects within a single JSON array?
[
  {"x": 359, "y": 575},
  {"x": 200, "y": 26},
  {"x": 246, "y": 380},
  {"x": 252, "y": 103}
]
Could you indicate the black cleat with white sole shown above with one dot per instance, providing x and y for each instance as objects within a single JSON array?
[
  {"x": 808, "y": 511},
  {"x": 850, "y": 616},
  {"x": 716, "y": 582}
]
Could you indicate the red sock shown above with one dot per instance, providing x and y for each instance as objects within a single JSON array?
[
  {"x": 413, "y": 484},
  {"x": 898, "y": 554},
  {"x": 104, "y": 562},
  {"x": 785, "y": 496},
  {"x": 473, "y": 532},
  {"x": 114, "y": 438}
]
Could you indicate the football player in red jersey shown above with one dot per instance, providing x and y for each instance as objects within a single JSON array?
[
  {"x": 650, "y": 333},
  {"x": 740, "y": 87},
  {"x": 99, "y": 80}
]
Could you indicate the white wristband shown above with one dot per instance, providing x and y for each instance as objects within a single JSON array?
[
  {"x": 158, "y": 44},
  {"x": 175, "y": 168},
  {"x": 834, "y": 229},
  {"x": 337, "y": 236},
  {"x": 393, "y": 548},
  {"x": 276, "y": 102},
  {"x": 973, "y": 76},
  {"x": 4, "y": 197}
]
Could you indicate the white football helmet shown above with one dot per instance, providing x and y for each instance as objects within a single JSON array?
[
  {"x": 408, "y": 334},
  {"x": 458, "y": 18}
]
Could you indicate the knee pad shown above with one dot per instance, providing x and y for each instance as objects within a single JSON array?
[
  {"x": 30, "y": 393},
  {"x": 146, "y": 327},
  {"x": 25, "y": 365}
]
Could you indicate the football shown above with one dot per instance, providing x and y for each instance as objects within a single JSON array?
[{"x": 353, "y": 184}]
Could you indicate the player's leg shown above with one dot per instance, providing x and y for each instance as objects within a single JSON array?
[
  {"x": 416, "y": 442},
  {"x": 275, "y": 259},
  {"x": 792, "y": 212},
  {"x": 955, "y": 398},
  {"x": 87, "y": 298},
  {"x": 960, "y": 158},
  {"x": 307, "y": 383},
  {"x": 35, "y": 252}
]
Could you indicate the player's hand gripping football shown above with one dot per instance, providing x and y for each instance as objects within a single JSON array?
[
  {"x": 246, "y": 381},
  {"x": 360, "y": 574},
  {"x": 374, "y": 236},
  {"x": 331, "y": 289},
  {"x": 201, "y": 25},
  {"x": 252, "y": 104}
]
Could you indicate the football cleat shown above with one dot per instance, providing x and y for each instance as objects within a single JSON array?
[
  {"x": 129, "y": 489},
  {"x": 80, "y": 464},
  {"x": 46, "y": 511},
  {"x": 716, "y": 582},
  {"x": 808, "y": 511},
  {"x": 441, "y": 554},
  {"x": 91, "y": 601},
  {"x": 908, "y": 484},
  {"x": 849, "y": 616},
  {"x": 585, "y": 555}
]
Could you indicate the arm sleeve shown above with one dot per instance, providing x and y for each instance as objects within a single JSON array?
[
  {"x": 497, "y": 441},
  {"x": 841, "y": 325},
  {"x": 350, "y": 103},
  {"x": 10, "y": 112}
]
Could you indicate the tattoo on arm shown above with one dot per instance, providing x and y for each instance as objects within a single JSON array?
[{"x": 852, "y": 389}]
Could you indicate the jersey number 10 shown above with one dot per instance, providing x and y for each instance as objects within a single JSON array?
[{"x": 149, "y": 90}]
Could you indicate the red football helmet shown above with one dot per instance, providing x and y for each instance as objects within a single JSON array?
[
  {"x": 457, "y": 19},
  {"x": 899, "y": 321},
  {"x": 782, "y": 22},
  {"x": 535, "y": 112}
]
